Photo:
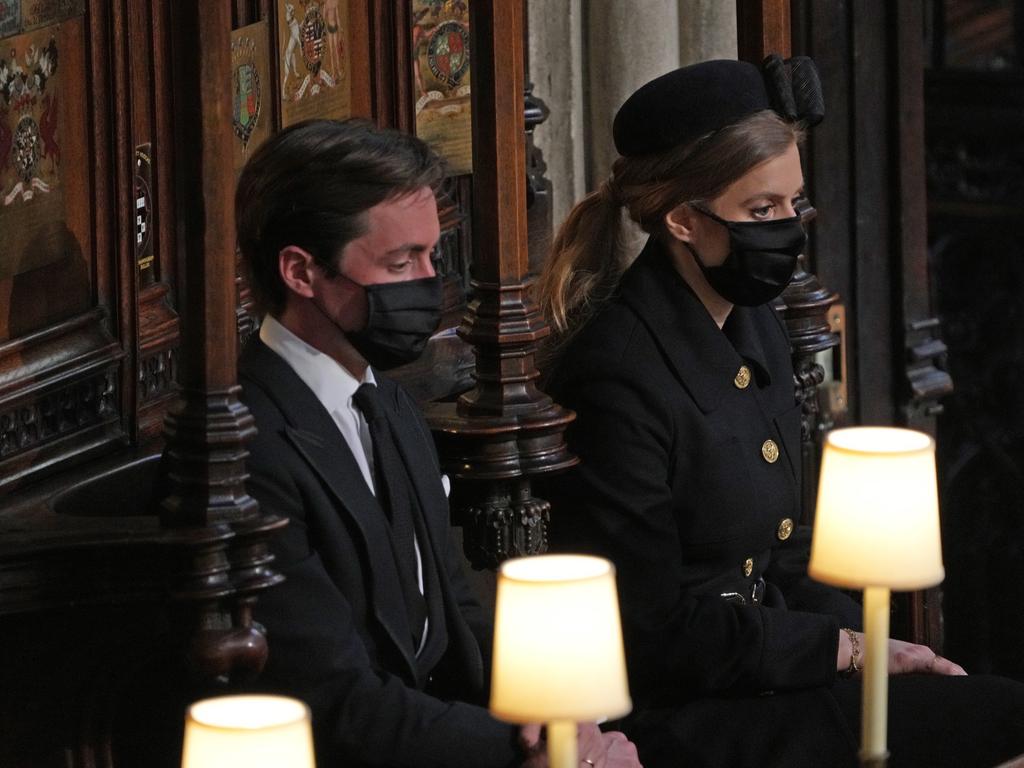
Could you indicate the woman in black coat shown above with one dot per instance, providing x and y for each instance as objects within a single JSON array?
[{"x": 688, "y": 430}]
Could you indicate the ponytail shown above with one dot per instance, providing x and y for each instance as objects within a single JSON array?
[{"x": 584, "y": 265}]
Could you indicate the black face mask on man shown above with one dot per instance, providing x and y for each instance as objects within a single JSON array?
[
  {"x": 761, "y": 262},
  {"x": 401, "y": 318}
]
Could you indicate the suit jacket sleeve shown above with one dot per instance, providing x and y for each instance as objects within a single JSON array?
[
  {"x": 362, "y": 713},
  {"x": 789, "y": 572},
  {"x": 618, "y": 503}
]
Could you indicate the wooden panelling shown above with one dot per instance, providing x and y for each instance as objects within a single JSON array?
[
  {"x": 63, "y": 373},
  {"x": 865, "y": 172},
  {"x": 132, "y": 590}
]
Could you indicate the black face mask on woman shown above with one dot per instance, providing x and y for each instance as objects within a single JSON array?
[
  {"x": 401, "y": 318},
  {"x": 761, "y": 262}
]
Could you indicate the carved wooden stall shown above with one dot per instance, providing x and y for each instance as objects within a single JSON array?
[
  {"x": 865, "y": 168},
  {"x": 120, "y": 597},
  {"x": 503, "y": 431},
  {"x": 974, "y": 114},
  {"x": 123, "y": 124},
  {"x": 873, "y": 341},
  {"x": 127, "y": 122}
]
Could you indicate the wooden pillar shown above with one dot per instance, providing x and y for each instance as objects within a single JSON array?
[
  {"x": 764, "y": 27},
  {"x": 214, "y": 526},
  {"x": 504, "y": 431},
  {"x": 925, "y": 382}
]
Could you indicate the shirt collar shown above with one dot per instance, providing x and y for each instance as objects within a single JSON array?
[{"x": 331, "y": 382}]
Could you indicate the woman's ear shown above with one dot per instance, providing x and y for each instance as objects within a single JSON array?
[
  {"x": 296, "y": 268},
  {"x": 679, "y": 222}
]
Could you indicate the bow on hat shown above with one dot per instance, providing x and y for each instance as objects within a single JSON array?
[{"x": 794, "y": 88}]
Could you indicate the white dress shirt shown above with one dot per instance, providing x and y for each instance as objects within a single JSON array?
[{"x": 334, "y": 387}]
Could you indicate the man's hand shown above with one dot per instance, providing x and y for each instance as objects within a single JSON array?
[
  {"x": 597, "y": 749},
  {"x": 606, "y": 750}
]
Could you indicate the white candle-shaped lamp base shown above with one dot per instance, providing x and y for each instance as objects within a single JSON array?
[
  {"x": 558, "y": 648},
  {"x": 875, "y": 701},
  {"x": 876, "y": 528},
  {"x": 562, "y": 747}
]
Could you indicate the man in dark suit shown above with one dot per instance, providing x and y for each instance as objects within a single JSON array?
[{"x": 375, "y": 626}]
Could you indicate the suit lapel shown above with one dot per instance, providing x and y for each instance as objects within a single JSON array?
[
  {"x": 415, "y": 445},
  {"x": 312, "y": 431},
  {"x": 701, "y": 356},
  {"x": 424, "y": 474},
  {"x": 749, "y": 329},
  {"x": 741, "y": 329}
]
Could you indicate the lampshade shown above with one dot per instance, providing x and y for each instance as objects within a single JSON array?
[
  {"x": 250, "y": 731},
  {"x": 877, "y": 520},
  {"x": 558, "y": 641}
]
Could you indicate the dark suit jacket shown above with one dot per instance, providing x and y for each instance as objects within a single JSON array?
[
  {"x": 337, "y": 627},
  {"x": 675, "y": 489}
]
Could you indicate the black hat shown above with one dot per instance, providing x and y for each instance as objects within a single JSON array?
[{"x": 691, "y": 102}]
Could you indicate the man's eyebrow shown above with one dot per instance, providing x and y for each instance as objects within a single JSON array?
[{"x": 406, "y": 247}]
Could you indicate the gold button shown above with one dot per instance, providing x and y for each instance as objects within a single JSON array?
[
  {"x": 742, "y": 379},
  {"x": 785, "y": 529},
  {"x": 748, "y": 566},
  {"x": 770, "y": 451}
]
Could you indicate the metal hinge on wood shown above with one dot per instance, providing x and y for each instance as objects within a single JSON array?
[{"x": 926, "y": 375}]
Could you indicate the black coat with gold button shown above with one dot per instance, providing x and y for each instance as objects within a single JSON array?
[{"x": 689, "y": 437}]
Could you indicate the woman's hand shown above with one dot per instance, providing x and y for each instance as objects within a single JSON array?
[
  {"x": 904, "y": 658},
  {"x": 597, "y": 749}
]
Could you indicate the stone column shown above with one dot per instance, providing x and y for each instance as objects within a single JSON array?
[
  {"x": 707, "y": 30},
  {"x": 627, "y": 45},
  {"x": 587, "y": 56},
  {"x": 556, "y": 71}
]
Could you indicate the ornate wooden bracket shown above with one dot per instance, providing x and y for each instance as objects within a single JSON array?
[
  {"x": 538, "y": 186},
  {"x": 804, "y": 306},
  {"x": 505, "y": 430},
  {"x": 926, "y": 378}
]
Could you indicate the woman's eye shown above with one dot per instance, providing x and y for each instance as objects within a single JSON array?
[
  {"x": 762, "y": 212},
  {"x": 400, "y": 266}
]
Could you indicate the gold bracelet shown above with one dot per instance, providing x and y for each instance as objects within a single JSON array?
[{"x": 855, "y": 666}]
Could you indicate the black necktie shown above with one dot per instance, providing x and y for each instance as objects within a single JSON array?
[{"x": 394, "y": 493}]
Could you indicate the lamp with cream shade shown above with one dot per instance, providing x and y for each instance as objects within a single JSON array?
[
  {"x": 558, "y": 656},
  {"x": 876, "y": 528},
  {"x": 252, "y": 731}
]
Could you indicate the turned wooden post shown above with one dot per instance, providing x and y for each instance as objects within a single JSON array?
[
  {"x": 214, "y": 526},
  {"x": 504, "y": 431}
]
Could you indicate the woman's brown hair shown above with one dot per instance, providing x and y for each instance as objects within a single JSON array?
[{"x": 586, "y": 259}]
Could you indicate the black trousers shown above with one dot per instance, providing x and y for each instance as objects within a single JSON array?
[
  {"x": 934, "y": 722},
  {"x": 960, "y": 722}
]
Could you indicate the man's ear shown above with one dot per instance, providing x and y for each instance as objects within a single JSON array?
[
  {"x": 679, "y": 222},
  {"x": 296, "y": 268}
]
